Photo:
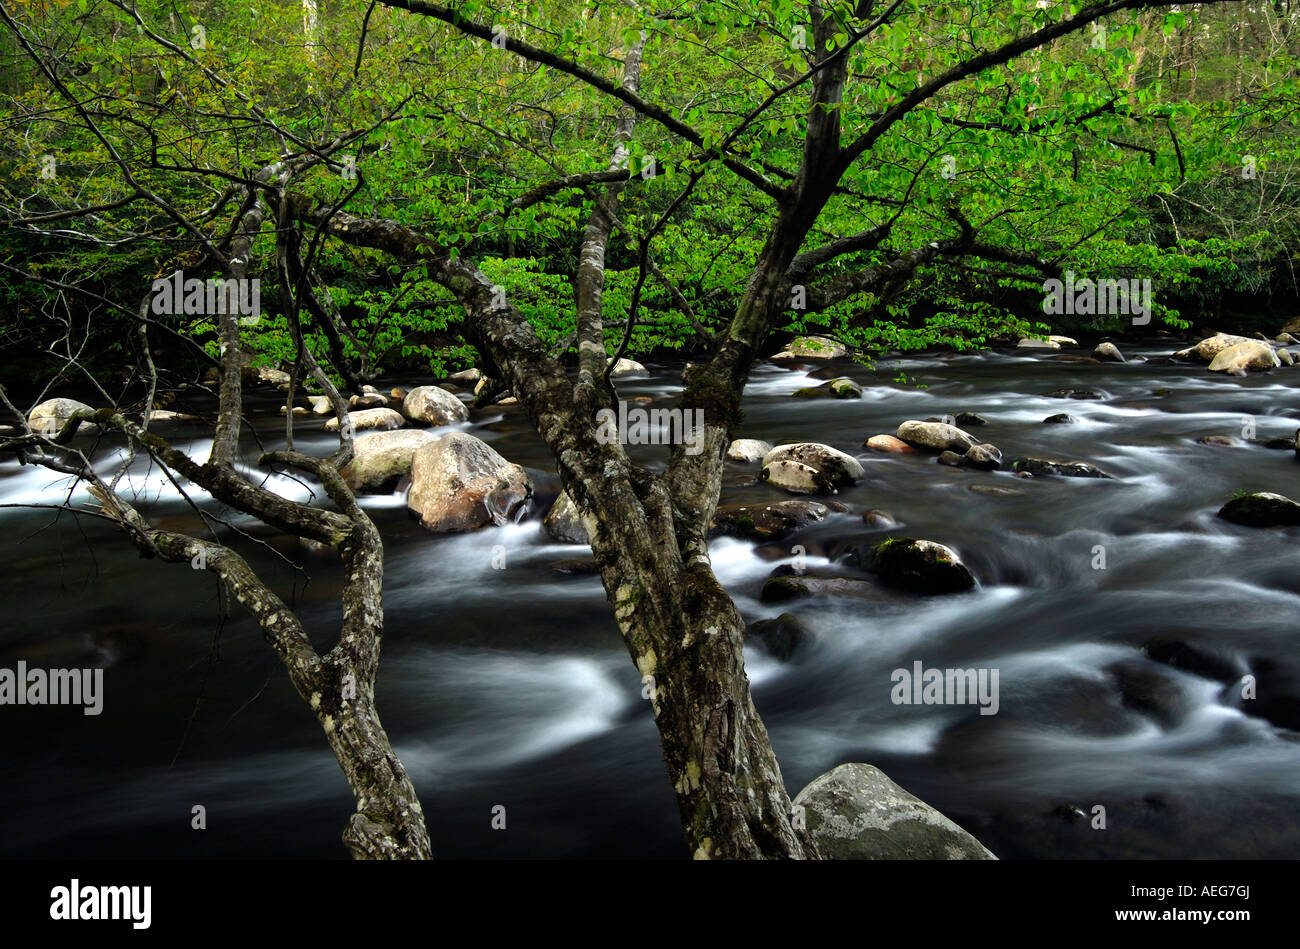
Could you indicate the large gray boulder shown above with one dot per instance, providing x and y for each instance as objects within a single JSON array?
[
  {"x": 1211, "y": 346},
  {"x": 936, "y": 436},
  {"x": 854, "y": 812},
  {"x": 811, "y": 468},
  {"x": 459, "y": 483},
  {"x": 1245, "y": 357},
  {"x": 375, "y": 419},
  {"x": 748, "y": 450},
  {"x": 433, "y": 405},
  {"x": 381, "y": 459},
  {"x": 50, "y": 416}
]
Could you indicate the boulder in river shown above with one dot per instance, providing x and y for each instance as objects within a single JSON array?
[
  {"x": 967, "y": 419},
  {"x": 368, "y": 400},
  {"x": 1245, "y": 357},
  {"x": 921, "y": 566},
  {"x": 783, "y": 636},
  {"x": 320, "y": 405},
  {"x": 1080, "y": 394},
  {"x": 1261, "y": 509},
  {"x": 382, "y": 459},
  {"x": 1108, "y": 352},
  {"x": 935, "y": 436},
  {"x": 766, "y": 521},
  {"x": 984, "y": 456},
  {"x": 841, "y": 388},
  {"x": 459, "y": 483},
  {"x": 564, "y": 523},
  {"x": 888, "y": 443},
  {"x": 376, "y": 419},
  {"x": 951, "y": 459},
  {"x": 50, "y": 416},
  {"x": 781, "y": 589},
  {"x": 1211, "y": 346},
  {"x": 810, "y": 468},
  {"x": 1038, "y": 344},
  {"x": 433, "y": 405},
  {"x": 748, "y": 450},
  {"x": 627, "y": 369},
  {"x": 854, "y": 812},
  {"x": 1039, "y": 467},
  {"x": 1060, "y": 418}
]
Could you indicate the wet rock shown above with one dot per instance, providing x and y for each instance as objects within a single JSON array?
[
  {"x": 371, "y": 400},
  {"x": 275, "y": 377},
  {"x": 935, "y": 436},
  {"x": 380, "y": 460},
  {"x": 1245, "y": 357},
  {"x": 986, "y": 457},
  {"x": 888, "y": 443},
  {"x": 563, "y": 522},
  {"x": 1285, "y": 358},
  {"x": 1208, "y": 348},
  {"x": 1199, "y": 659},
  {"x": 467, "y": 376},
  {"x": 920, "y": 566},
  {"x": 459, "y": 483},
  {"x": 298, "y": 410},
  {"x": 320, "y": 405},
  {"x": 854, "y": 812},
  {"x": 1261, "y": 509},
  {"x": 951, "y": 459},
  {"x": 766, "y": 521},
  {"x": 1080, "y": 394},
  {"x": 1039, "y": 467},
  {"x": 810, "y": 468},
  {"x": 1108, "y": 352},
  {"x": 1038, "y": 344},
  {"x": 967, "y": 419},
  {"x": 369, "y": 419},
  {"x": 1145, "y": 689},
  {"x": 879, "y": 520},
  {"x": 840, "y": 388},
  {"x": 748, "y": 450},
  {"x": 1286, "y": 339},
  {"x": 398, "y": 394},
  {"x": 1060, "y": 418},
  {"x": 627, "y": 369},
  {"x": 782, "y": 589},
  {"x": 50, "y": 416},
  {"x": 1278, "y": 443},
  {"x": 1218, "y": 441},
  {"x": 577, "y": 567},
  {"x": 433, "y": 405},
  {"x": 783, "y": 636}
]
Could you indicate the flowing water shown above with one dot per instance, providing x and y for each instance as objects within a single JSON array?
[{"x": 512, "y": 686}]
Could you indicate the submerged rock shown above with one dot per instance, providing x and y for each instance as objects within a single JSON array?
[
  {"x": 1060, "y": 418},
  {"x": 840, "y": 388},
  {"x": 459, "y": 483},
  {"x": 1261, "y": 509},
  {"x": 1079, "y": 394},
  {"x": 854, "y": 812},
  {"x": 921, "y": 566},
  {"x": 1039, "y": 467},
  {"x": 810, "y": 468},
  {"x": 783, "y": 636},
  {"x": 788, "y": 587}
]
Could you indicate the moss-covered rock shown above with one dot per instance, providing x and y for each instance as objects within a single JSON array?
[
  {"x": 783, "y": 636},
  {"x": 921, "y": 566},
  {"x": 766, "y": 521},
  {"x": 1261, "y": 509}
]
